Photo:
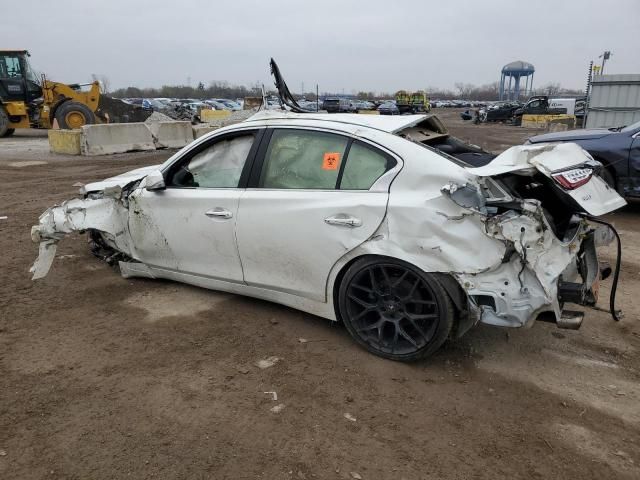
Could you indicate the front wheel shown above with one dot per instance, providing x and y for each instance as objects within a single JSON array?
[
  {"x": 72, "y": 115},
  {"x": 394, "y": 309}
]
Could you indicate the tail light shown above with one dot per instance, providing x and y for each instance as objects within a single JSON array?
[{"x": 572, "y": 179}]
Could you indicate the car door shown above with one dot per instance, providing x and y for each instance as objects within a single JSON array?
[
  {"x": 295, "y": 221},
  {"x": 535, "y": 107},
  {"x": 189, "y": 226}
]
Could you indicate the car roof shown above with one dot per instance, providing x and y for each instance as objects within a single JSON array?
[{"x": 390, "y": 124}]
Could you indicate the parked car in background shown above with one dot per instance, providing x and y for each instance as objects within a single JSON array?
[
  {"x": 352, "y": 218},
  {"x": 216, "y": 105},
  {"x": 389, "y": 108},
  {"x": 618, "y": 149},
  {"x": 339, "y": 105},
  {"x": 310, "y": 105},
  {"x": 154, "y": 104},
  {"x": 364, "y": 105},
  {"x": 499, "y": 112},
  {"x": 228, "y": 104},
  {"x": 196, "y": 107}
]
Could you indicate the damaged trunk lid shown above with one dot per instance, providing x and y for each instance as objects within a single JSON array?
[{"x": 570, "y": 174}]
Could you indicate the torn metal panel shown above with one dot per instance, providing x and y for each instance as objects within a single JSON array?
[
  {"x": 119, "y": 180},
  {"x": 46, "y": 254},
  {"x": 105, "y": 214}
]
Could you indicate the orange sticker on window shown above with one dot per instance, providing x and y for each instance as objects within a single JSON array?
[{"x": 331, "y": 161}]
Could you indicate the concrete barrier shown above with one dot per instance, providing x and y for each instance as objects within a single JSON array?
[
  {"x": 171, "y": 134},
  {"x": 369, "y": 112},
  {"x": 65, "y": 141},
  {"x": 202, "y": 129},
  {"x": 543, "y": 121},
  {"x": 115, "y": 138},
  {"x": 209, "y": 115}
]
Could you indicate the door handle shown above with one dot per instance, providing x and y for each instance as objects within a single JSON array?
[
  {"x": 344, "y": 221},
  {"x": 218, "y": 213}
]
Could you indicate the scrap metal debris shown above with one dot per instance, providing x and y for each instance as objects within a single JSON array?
[
  {"x": 274, "y": 395},
  {"x": 267, "y": 362}
]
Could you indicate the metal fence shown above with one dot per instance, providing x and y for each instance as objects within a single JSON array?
[{"x": 614, "y": 101}]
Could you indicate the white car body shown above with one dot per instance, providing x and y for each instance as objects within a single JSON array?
[{"x": 290, "y": 246}]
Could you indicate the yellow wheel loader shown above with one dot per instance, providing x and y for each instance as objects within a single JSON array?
[
  {"x": 417, "y": 102},
  {"x": 27, "y": 101}
]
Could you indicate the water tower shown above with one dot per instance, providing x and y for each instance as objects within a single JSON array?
[{"x": 514, "y": 71}]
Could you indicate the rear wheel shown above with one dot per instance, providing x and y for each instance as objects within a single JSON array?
[
  {"x": 5, "y": 131},
  {"x": 394, "y": 310},
  {"x": 72, "y": 115}
]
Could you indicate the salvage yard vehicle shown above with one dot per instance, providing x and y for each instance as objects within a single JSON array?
[
  {"x": 499, "y": 112},
  {"x": 543, "y": 105},
  {"x": 339, "y": 105},
  {"x": 356, "y": 218},
  {"x": 388, "y": 108},
  {"x": 617, "y": 148},
  {"x": 27, "y": 101}
]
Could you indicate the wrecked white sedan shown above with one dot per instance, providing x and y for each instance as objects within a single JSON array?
[{"x": 353, "y": 217}]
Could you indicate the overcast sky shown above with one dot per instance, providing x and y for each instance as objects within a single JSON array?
[{"x": 378, "y": 45}]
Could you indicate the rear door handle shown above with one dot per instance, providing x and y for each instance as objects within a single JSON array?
[
  {"x": 218, "y": 213},
  {"x": 344, "y": 221}
]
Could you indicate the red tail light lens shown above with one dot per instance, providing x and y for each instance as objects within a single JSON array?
[{"x": 571, "y": 179}]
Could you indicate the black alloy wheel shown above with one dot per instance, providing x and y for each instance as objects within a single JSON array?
[{"x": 394, "y": 309}]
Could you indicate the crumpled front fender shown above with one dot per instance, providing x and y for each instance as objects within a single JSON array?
[{"x": 106, "y": 214}]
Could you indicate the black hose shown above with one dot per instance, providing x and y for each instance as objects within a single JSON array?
[{"x": 616, "y": 314}]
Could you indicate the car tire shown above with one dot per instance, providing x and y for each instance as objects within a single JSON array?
[
  {"x": 5, "y": 131},
  {"x": 393, "y": 309},
  {"x": 72, "y": 115}
]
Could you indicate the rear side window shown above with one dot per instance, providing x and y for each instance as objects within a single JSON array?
[
  {"x": 363, "y": 167},
  {"x": 303, "y": 159}
]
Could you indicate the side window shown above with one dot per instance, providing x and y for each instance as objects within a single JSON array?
[
  {"x": 303, "y": 159},
  {"x": 364, "y": 166},
  {"x": 218, "y": 166},
  {"x": 10, "y": 67}
]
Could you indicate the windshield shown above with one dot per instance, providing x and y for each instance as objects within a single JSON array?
[
  {"x": 631, "y": 128},
  {"x": 30, "y": 74}
]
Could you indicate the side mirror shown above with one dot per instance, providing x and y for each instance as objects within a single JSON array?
[{"x": 155, "y": 181}]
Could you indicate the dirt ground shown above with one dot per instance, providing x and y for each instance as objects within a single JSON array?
[{"x": 103, "y": 377}]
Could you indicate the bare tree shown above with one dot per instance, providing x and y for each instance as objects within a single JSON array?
[{"x": 551, "y": 88}]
